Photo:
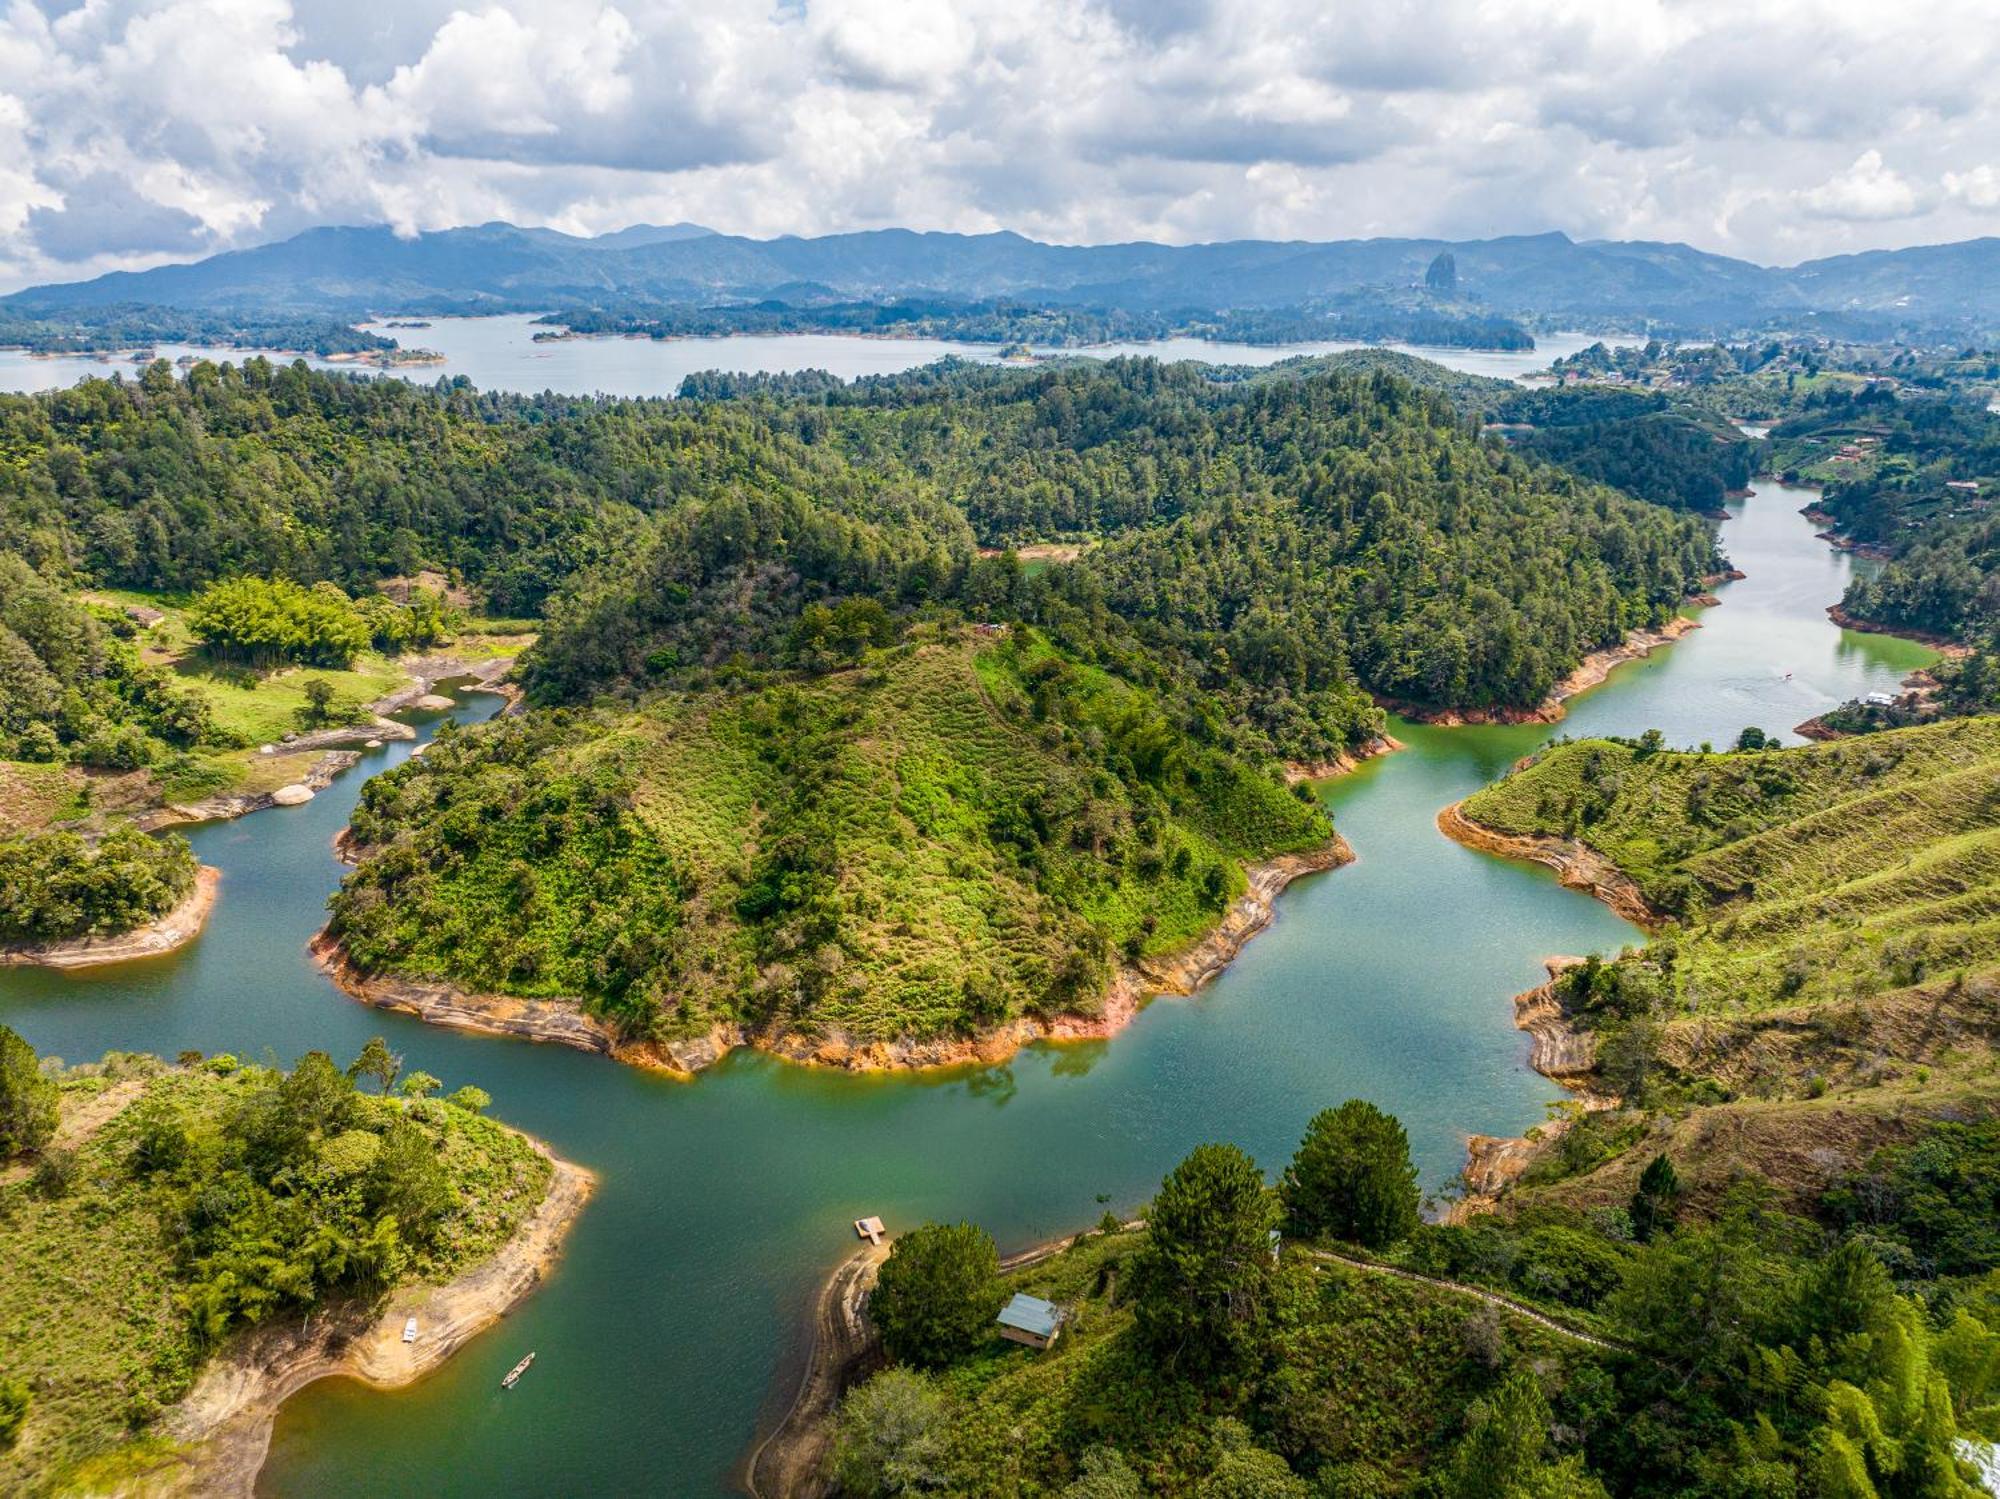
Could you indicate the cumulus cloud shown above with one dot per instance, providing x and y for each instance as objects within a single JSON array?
[
  {"x": 135, "y": 131},
  {"x": 1868, "y": 190}
]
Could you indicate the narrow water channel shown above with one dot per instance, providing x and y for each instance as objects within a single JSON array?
[{"x": 725, "y": 1201}]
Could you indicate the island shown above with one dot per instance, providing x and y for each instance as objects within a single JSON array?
[{"x": 185, "y": 1244}]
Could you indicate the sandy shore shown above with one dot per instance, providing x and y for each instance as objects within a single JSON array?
[
  {"x": 564, "y": 1022},
  {"x": 1577, "y": 865},
  {"x": 228, "y": 1414},
  {"x": 1590, "y": 672},
  {"x": 176, "y": 929}
]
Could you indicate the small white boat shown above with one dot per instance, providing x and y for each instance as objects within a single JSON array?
[
  {"x": 410, "y": 1331},
  {"x": 514, "y": 1374}
]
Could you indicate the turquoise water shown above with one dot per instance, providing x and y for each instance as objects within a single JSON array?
[{"x": 724, "y": 1201}]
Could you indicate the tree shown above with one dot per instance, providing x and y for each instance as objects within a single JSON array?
[
  {"x": 420, "y": 1085},
  {"x": 408, "y": 1181},
  {"x": 937, "y": 1294},
  {"x": 27, "y": 1099},
  {"x": 1503, "y": 1453},
  {"x": 1754, "y": 738},
  {"x": 1247, "y": 1471},
  {"x": 1352, "y": 1177},
  {"x": 889, "y": 1437},
  {"x": 1104, "y": 1474},
  {"x": 378, "y": 1062},
  {"x": 319, "y": 699},
  {"x": 472, "y": 1100},
  {"x": 1201, "y": 1281},
  {"x": 1657, "y": 1201}
]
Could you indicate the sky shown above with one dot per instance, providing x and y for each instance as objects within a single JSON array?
[{"x": 135, "y": 132}]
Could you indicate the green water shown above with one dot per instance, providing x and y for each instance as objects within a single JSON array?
[{"x": 724, "y": 1201}]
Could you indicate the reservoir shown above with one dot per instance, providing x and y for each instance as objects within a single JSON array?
[
  {"x": 724, "y": 1202},
  {"x": 500, "y": 353}
]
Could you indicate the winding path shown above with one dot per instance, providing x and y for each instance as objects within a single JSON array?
[{"x": 1505, "y": 1302}]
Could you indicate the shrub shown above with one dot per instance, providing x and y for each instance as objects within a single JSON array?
[{"x": 27, "y": 1099}]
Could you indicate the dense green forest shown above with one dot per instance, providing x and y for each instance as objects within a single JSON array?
[
  {"x": 52, "y": 330},
  {"x": 221, "y": 1196},
  {"x": 1702, "y": 1349},
  {"x": 55, "y": 887},
  {"x": 73, "y": 687},
  {"x": 1287, "y": 543},
  {"x": 931, "y": 841},
  {"x": 1637, "y": 441}
]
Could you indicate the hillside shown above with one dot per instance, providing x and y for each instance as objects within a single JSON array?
[
  {"x": 1654, "y": 1343},
  {"x": 1286, "y": 544},
  {"x": 1838, "y": 905},
  {"x": 933, "y": 844}
]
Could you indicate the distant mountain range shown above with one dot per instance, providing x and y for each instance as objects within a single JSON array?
[{"x": 349, "y": 272}]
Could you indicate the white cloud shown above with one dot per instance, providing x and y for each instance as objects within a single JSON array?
[
  {"x": 133, "y": 131},
  {"x": 1978, "y": 188},
  {"x": 1866, "y": 191}
]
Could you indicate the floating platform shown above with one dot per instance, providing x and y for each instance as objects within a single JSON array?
[{"x": 870, "y": 1229}]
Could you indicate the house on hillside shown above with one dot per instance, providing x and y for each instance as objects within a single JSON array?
[{"x": 1030, "y": 1320}]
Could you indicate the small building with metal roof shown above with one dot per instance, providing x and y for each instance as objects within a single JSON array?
[{"x": 1030, "y": 1320}]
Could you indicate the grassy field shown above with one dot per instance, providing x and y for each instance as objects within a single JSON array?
[
  {"x": 1845, "y": 895},
  {"x": 92, "y": 1291},
  {"x": 932, "y": 843}
]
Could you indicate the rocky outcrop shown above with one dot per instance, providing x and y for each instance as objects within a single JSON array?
[
  {"x": 228, "y": 1414},
  {"x": 1561, "y": 1053},
  {"x": 318, "y": 777},
  {"x": 1347, "y": 760},
  {"x": 564, "y": 1021},
  {"x": 1577, "y": 865},
  {"x": 174, "y": 930}
]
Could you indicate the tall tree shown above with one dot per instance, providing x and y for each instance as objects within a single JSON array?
[
  {"x": 1352, "y": 1177},
  {"x": 27, "y": 1099},
  {"x": 937, "y": 1294},
  {"x": 1201, "y": 1282}
]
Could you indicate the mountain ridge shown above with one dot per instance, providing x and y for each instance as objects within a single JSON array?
[{"x": 354, "y": 270}]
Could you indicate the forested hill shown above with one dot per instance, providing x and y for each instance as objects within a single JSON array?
[
  {"x": 262, "y": 468},
  {"x": 1287, "y": 543},
  {"x": 1288, "y": 540}
]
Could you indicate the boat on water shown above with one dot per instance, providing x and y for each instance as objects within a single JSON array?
[{"x": 514, "y": 1374}]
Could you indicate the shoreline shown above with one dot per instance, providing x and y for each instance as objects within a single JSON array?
[
  {"x": 1577, "y": 865},
  {"x": 169, "y": 933},
  {"x": 563, "y": 1022},
  {"x": 1591, "y": 671},
  {"x": 336, "y": 745},
  {"x": 1298, "y": 771},
  {"x": 1565, "y": 1056},
  {"x": 231, "y": 1409},
  {"x": 1943, "y": 645}
]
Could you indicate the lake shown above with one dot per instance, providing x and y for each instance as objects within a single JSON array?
[
  {"x": 500, "y": 353},
  {"x": 725, "y": 1201}
]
